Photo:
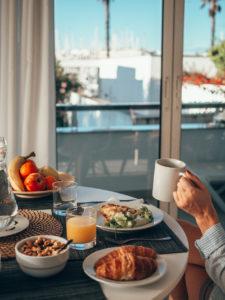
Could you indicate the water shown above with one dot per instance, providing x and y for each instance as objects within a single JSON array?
[
  {"x": 8, "y": 209},
  {"x": 8, "y": 205},
  {"x": 65, "y": 197},
  {"x": 60, "y": 209},
  {"x": 3, "y": 149},
  {"x": 3, "y": 152}
]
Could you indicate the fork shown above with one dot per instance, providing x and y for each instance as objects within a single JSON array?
[{"x": 166, "y": 238}]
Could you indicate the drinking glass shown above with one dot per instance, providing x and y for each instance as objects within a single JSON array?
[
  {"x": 8, "y": 205},
  {"x": 3, "y": 149},
  {"x": 64, "y": 196},
  {"x": 81, "y": 227},
  {"x": 8, "y": 210},
  {"x": 4, "y": 185}
]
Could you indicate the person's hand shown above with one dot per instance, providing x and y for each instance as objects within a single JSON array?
[{"x": 194, "y": 198}]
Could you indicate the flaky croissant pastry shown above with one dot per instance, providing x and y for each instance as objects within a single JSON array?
[{"x": 127, "y": 263}]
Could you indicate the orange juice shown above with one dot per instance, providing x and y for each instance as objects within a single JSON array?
[{"x": 81, "y": 229}]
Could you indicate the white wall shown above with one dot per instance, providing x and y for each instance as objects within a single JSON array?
[{"x": 136, "y": 78}]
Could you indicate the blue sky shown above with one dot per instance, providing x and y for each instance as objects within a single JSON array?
[
  {"x": 134, "y": 23},
  {"x": 197, "y": 25}
]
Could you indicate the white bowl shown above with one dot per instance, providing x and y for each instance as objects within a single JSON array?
[{"x": 42, "y": 266}]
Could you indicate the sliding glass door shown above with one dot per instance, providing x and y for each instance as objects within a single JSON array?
[
  {"x": 203, "y": 93},
  {"x": 108, "y": 72}
]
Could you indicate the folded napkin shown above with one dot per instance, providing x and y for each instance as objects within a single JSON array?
[{"x": 132, "y": 203}]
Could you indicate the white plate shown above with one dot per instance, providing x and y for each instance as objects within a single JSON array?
[
  {"x": 37, "y": 194},
  {"x": 19, "y": 224},
  {"x": 157, "y": 218},
  {"x": 89, "y": 262}
]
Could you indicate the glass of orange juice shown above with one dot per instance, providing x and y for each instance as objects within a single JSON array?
[{"x": 81, "y": 227}]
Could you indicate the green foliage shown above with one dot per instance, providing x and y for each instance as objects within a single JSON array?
[
  {"x": 217, "y": 54},
  {"x": 65, "y": 84}
]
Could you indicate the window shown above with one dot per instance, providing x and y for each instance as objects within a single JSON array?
[
  {"x": 108, "y": 92},
  {"x": 203, "y": 92}
]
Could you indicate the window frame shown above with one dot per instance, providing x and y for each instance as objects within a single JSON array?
[{"x": 171, "y": 101}]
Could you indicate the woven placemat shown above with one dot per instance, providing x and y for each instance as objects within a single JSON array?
[{"x": 39, "y": 223}]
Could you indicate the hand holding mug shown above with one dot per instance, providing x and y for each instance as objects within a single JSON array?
[{"x": 194, "y": 198}]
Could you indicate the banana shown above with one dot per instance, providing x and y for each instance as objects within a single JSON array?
[
  {"x": 14, "y": 171},
  {"x": 48, "y": 171},
  {"x": 65, "y": 176}
]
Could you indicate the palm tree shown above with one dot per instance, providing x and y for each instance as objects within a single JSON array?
[
  {"x": 214, "y": 8},
  {"x": 106, "y": 4}
]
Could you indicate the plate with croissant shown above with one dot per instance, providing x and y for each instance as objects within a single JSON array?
[
  {"x": 127, "y": 216},
  {"x": 125, "y": 266}
]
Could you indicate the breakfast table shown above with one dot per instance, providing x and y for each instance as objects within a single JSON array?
[{"x": 73, "y": 283}]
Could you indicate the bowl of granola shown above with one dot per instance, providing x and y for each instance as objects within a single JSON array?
[{"x": 42, "y": 255}]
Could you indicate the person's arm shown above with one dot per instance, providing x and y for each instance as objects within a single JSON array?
[
  {"x": 193, "y": 197},
  {"x": 212, "y": 248}
]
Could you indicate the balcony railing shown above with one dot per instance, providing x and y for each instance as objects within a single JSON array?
[
  {"x": 195, "y": 115},
  {"x": 122, "y": 106},
  {"x": 121, "y": 157}
]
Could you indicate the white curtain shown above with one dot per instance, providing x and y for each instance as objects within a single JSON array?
[{"x": 27, "y": 86}]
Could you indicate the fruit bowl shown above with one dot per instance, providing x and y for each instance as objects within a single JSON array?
[
  {"x": 37, "y": 194},
  {"x": 29, "y": 181}
]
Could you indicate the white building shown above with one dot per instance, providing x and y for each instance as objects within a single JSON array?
[{"x": 133, "y": 76}]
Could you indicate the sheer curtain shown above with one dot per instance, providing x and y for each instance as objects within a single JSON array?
[{"x": 27, "y": 86}]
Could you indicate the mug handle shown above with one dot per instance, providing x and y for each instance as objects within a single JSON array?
[{"x": 181, "y": 174}]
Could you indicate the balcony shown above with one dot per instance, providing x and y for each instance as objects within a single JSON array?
[{"x": 114, "y": 146}]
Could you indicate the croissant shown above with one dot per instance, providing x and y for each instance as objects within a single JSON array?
[{"x": 127, "y": 263}]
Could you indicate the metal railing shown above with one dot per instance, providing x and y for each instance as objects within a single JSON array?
[
  {"x": 123, "y": 106},
  {"x": 152, "y": 121}
]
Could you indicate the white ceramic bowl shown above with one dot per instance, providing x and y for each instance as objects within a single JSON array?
[{"x": 42, "y": 266}]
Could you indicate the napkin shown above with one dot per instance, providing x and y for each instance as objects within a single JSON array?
[{"x": 133, "y": 203}]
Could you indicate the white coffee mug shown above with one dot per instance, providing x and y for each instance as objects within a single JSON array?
[{"x": 166, "y": 175}]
